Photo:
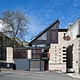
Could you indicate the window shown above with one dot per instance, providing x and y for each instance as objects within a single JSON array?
[
  {"x": 59, "y": 48},
  {"x": 55, "y": 26},
  {"x": 59, "y": 59},
  {"x": 64, "y": 57},
  {"x": 64, "y": 60},
  {"x": 79, "y": 48},
  {"x": 33, "y": 45},
  {"x": 55, "y": 54},
  {"x": 64, "y": 34},
  {"x": 43, "y": 37},
  {"x": 55, "y": 57},
  {"x": 64, "y": 47},
  {"x": 41, "y": 45},
  {"x": 64, "y": 53},
  {"x": 59, "y": 52},
  {"x": 59, "y": 55},
  {"x": 55, "y": 50},
  {"x": 55, "y": 60},
  {"x": 64, "y": 50}
]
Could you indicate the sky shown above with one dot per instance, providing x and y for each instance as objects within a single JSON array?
[{"x": 42, "y": 13}]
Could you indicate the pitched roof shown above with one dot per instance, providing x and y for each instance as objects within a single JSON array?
[{"x": 57, "y": 21}]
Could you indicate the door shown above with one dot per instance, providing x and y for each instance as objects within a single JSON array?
[{"x": 46, "y": 65}]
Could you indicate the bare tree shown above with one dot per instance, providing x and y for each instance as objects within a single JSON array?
[{"x": 15, "y": 23}]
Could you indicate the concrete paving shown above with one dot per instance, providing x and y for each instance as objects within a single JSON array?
[
  {"x": 26, "y": 75},
  {"x": 74, "y": 75}
]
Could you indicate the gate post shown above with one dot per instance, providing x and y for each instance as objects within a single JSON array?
[
  {"x": 9, "y": 55},
  {"x": 29, "y": 54}
]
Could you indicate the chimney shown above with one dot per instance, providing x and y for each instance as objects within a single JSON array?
[{"x": 69, "y": 26}]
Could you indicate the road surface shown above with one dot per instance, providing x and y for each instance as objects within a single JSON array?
[{"x": 25, "y": 75}]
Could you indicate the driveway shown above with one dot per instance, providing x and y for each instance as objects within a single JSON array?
[{"x": 25, "y": 75}]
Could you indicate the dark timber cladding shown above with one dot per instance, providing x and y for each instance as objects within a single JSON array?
[{"x": 46, "y": 36}]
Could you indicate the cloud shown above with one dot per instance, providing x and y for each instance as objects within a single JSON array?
[
  {"x": 62, "y": 17},
  {"x": 35, "y": 26},
  {"x": 76, "y": 3}
]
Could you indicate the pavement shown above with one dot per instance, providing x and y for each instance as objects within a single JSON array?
[
  {"x": 28, "y": 75},
  {"x": 74, "y": 75}
]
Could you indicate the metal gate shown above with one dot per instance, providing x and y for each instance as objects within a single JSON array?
[{"x": 36, "y": 65}]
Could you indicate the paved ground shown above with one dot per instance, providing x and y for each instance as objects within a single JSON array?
[{"x": 25, "y": 75}]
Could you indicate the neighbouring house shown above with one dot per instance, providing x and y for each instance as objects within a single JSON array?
[
  {"x": 6, "y": 51},
  {"x": 73, "y": 47}
]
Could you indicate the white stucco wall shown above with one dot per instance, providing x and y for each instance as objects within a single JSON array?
[{"x": 74, "y": 31}]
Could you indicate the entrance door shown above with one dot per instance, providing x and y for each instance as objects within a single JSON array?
[{"x": 46, "y": 65}]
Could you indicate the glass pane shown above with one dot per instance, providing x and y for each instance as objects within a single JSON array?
[{"x": 43, "y": 37}]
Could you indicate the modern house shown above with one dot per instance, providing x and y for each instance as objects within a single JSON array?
[
  {"x": 58, "y": 48},
  {"x": 49, "y": 47}
]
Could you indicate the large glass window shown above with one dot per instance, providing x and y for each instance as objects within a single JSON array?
[{"x": 43, "y": 37}]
